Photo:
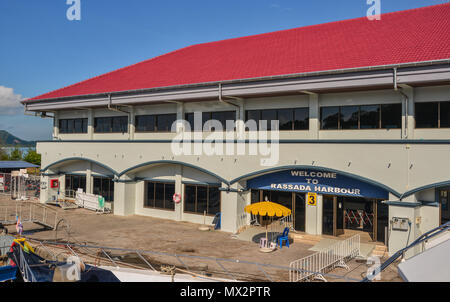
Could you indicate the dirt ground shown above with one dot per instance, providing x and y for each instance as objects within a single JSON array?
[{"x": 181, "y": 238}]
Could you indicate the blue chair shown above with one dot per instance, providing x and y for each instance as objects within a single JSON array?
[{"x": 283, "y": 237}]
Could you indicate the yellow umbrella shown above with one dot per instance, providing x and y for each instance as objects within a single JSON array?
[{"x": 267, "y": 208}]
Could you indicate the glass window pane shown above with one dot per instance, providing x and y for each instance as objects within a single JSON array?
[
  {"x": 349, "y": 117},
  {"x": 75, "y": 182},
  {"x": 120, "y": 124},
  {"x": 189, "y": 117},
  {"x": 103, "y": 124},
  {"x": 301, "y": 119},
  {"x": 254, "y": 115},
  {"x": 255, "y": 196},
  {"x": 111, "y": 190},
  {"x": 145, "y": 123},
  {"x": 391, "y": 116},
  {"x": 63, "y": 126},
  {"x": 426, "y": 115},
  {"x": 168, "y": 199},
  {"x": 159, "y": 195},
  {"x": 445, "y": 114},
  {"x": 206, "y": 116},
  {"x": 286, "y": 116},
  {"x": 69, "y": 185},
  {"x": 150, "y": 200},
  {"x": 97, "y": 186},
  {"x": 202, "y": 199},
  {"x": 164, "y": 122},
  {"x": 189, "y": 198},
  {"x": 329, "y": 118},
  {"x": 85, "y": 125},
  {"x": 70, "y": 126},
  {"x": 78, "y": 126},
  {"x": 370, "y": 117},
  {"x": 214, "y": 200},
  {"x": 269, "y": 116},
  {"x": 105, "y": 189},
  {"x": 83, "y": 183},
  {"x": 228, "y": 116}
]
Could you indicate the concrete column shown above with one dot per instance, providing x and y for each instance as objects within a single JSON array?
[
  {"x": 89, "y": 179},
  {"x": 231, "y": 206},
  {"x": 409, "y": 121},
  {"x": 56, "y": 125},
  {"x": 399, "y": 239},
  {"x": 314, "y": 116},
  {"x": 124, "y": 197},
  {"x": 132, "y": 122},
  {"x": 314, "y": 216},
  {"x": 179, "y": 190},
  {"x": 91, "y": 124},
  {"x": 45, "y": 182},
  {"x": 180, "y": 113}
]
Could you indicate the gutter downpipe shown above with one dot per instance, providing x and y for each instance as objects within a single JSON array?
[
  {"x": 229, "y": 189},
  {"x": 226, "y": 102},
  {"x": 117, "y": 109},
  {"x": 406, "y": 99}
]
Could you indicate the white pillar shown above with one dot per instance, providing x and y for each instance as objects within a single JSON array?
[
  {"x": 314, "y": 116},
  {"x": 91, "y": 124},
  {"x": 56, "y": 125}
]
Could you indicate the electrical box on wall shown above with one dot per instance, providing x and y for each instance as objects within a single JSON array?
[
  {"x": 400, "y": 224},
  {"x": 54, "y": 183}
]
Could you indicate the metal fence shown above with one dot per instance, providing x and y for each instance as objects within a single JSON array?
[
  {"x": 317, "y": 265},
  {"x": 203, "y": 267},
  {"x": 20, "y": 187},
  {"x": 28, "y": 212}
]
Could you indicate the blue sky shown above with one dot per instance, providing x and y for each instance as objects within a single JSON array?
[{"x": 41, "y": 50}]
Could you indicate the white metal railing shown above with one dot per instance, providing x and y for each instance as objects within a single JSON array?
[
  {"x": 28, "y": 212},
  {"x": 88, "y": 201},
  {"x": 317, "y": 264},
  {"x": 245, "y": 219},
  {"x": 69, "y": 193},
  {"x": 25, "y": 269}
]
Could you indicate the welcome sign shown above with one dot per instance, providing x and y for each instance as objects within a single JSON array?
[{"x": 316, "y": 181}]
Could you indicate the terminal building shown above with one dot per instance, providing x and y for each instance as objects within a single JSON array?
[{"x": 364, "y": 121}]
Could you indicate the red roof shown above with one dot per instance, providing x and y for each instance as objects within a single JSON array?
[{"x": 415, "y": 35}]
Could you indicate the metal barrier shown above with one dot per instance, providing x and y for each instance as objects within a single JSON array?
[
  {"x": 316, "y": 265},
  {"x": 231, "y": 269},
  {"x": 25, "y": 269},
  {"x": 245, "y": 219},
  {"x": 20, "y": 187},
  {"x": 29, "y": 212}
]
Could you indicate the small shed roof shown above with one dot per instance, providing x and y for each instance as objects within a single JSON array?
[{"x": 7, "y": 164}]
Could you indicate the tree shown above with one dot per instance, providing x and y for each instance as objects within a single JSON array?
[
  {"x": 33, "y": 157},
  {"x": 3, "y": 154},
  {"x": 16, "y": 154}
]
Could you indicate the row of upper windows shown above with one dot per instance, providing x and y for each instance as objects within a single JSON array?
[{"x": 385, "y": 116}]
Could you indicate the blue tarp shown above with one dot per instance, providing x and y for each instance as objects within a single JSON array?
[{"x": 8, "y": 164}]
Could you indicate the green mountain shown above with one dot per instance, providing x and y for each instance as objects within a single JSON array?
[{"x": 9, "y": 140}]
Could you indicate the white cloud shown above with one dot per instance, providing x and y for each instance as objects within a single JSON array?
[{"x": 10, "y": 101}]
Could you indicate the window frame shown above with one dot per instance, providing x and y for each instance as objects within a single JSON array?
[
  {"x": 209, "y": 115},
  {"x": 379, "y": 121},
  {"x": 154, "y": 207},
  {"x": 277, "y": 117},
  {"x": 65, "y": 130},
  {"x": 208, "y": 186},
  {"x": 155, "y": 123},
  {"x": 439, "y": 113},
  {"x": 111, "y": 124}
]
